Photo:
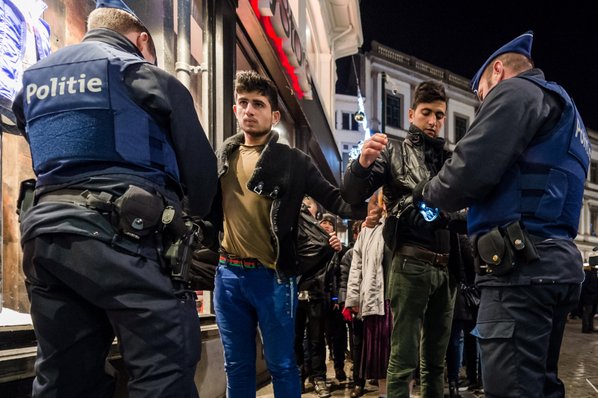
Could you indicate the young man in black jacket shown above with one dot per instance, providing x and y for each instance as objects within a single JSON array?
[
  {"x": 262, "y": 185},
  {"x": 314, "y": 288},
  {"x": 419, "y": 287}
]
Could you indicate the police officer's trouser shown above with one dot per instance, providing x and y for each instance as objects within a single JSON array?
[
  {"x": 83, "y": 293},
  {"x": 520, "y": 330}
]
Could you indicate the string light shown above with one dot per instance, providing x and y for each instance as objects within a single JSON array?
[{"x": 360, "y": 117}]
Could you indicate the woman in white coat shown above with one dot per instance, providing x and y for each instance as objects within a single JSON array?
[{"x": 365, "y": 296}]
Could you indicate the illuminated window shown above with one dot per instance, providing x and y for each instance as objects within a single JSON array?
[{"x": 393, "y": 111}]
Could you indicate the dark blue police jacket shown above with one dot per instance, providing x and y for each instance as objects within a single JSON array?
[
  {"x": 82, "y": 122},
  {"x": 544, "y": 188}
]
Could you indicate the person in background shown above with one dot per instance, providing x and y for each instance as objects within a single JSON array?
[
  {"x": 520, "y": 170},
  {"x": 589, "y": 298},
  {"x": 115, "y": 147},
  {"x": 336, "y": 327},
  {"x": 262, "y": 185},
  {"x": 355, "y": 324},
  {"x": 366, "y": 298},
  {"x": 314, "y": 296},
  {"x": 419, "y": 287},
  {"x": 462, "y": 346}
]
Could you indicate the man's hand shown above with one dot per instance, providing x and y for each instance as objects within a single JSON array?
[
  {"x": 371, "y": 149},
  {"x": 373, "y": 217},
  {"x": 335, "y": 242}
]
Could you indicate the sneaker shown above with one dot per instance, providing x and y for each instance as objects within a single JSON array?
[
  {"x": 321, "y": 388},
  {"x": 340, "y": 374}
]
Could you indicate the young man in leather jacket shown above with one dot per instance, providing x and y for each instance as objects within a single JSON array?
[
  {"x": 420, "y": 290},
  {"x": 262, "y": 185}
]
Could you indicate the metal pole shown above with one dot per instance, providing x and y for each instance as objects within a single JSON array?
[{"x": 183, "y": 42}]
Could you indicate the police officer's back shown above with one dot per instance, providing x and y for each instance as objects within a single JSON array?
[{"x": 116, "y": 145}]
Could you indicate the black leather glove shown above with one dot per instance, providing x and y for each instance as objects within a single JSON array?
[{"x": 418, "y": 192}]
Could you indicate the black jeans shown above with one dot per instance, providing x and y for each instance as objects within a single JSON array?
[
  {"x": 311, "y": 315},
  {"x": 356, "y": 333},
  {"x": 336, "y": 332}
]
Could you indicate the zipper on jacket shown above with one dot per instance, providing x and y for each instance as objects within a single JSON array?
[{"x": 292, "y": 288}]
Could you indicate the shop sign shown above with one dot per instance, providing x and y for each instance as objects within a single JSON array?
[{"x": 277, "y": 20}]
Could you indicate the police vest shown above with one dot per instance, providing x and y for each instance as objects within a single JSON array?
[
  {"x": 544, "y": 188},
  {"x": 81, "y": 120}
]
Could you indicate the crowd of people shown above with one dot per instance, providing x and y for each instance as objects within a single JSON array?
[{"x": 461, "y": 260}]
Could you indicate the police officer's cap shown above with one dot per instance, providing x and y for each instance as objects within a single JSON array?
[
  {"x": 115, "y": 4},
  {"x": 521, "y": 44}
]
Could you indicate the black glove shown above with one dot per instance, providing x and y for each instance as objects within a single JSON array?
[{"x": 418, "y": 192}]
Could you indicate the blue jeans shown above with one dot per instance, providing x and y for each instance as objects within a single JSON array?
[
  {"x": 454, "y": 352},
  {"x": 244, "y": 298}
]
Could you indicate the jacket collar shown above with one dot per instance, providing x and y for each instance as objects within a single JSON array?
[
  {"x": 113, "y": 38},
  {"x": 272, "y": 170}
]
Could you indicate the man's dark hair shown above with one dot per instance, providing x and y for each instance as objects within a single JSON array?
[
  {"x": 428, "y": 91},
  {"x": 248, "y": 81}
]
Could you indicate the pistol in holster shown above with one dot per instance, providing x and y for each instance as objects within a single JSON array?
[
  {"x": 178, "y": 254},
  {"x": 501, "y": 249},
  {"x": 26, "y": 197}
]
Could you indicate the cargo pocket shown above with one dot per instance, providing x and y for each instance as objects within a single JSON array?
[
  {"x": 494, "y": 330},
  {"x": 498, "y": 357}
]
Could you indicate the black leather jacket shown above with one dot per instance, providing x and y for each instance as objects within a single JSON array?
[
  {"x": 399, "y": 168},
  {"x": 286, "y": 175}
]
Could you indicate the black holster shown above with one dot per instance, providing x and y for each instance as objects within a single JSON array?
[
  {"x": 26, "y": 197},
  {"x": 178, "y": 255},
  {"x": 500, "y": 250}
]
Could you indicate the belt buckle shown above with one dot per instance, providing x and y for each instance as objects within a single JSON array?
[{"x": 303, "y": 295}]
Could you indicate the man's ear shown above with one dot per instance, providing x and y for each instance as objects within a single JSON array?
[
  {"x": 143, "y": 44},
  {"x": 275, "y": 117}
]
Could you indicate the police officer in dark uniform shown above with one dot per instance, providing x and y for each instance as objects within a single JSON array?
[
  {"x": 116, "y": 145},
  {"x": 520, "y": 169}
]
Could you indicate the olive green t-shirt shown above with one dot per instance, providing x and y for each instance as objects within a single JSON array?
[{"x": 246, "y": 214}]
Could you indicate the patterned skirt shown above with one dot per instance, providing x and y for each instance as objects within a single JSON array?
[{"x": 376, "y": 344}]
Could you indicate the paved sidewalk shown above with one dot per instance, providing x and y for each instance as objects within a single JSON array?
[{"x": 578, "y": 369}]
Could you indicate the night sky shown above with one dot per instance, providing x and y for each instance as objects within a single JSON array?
[{"x": 460, "y": 36}]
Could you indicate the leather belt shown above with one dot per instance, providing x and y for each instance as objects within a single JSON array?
[
  {"x": 239, "y": 261},
  {"x": 436, "y": 259},
  {"x": 101, "y": 201},
  {"x": 63, "y": 195}
]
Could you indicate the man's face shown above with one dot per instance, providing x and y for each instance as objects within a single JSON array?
[
  {"x": 487, "y": 83},
  {"x": 327, "y": 225},
  {"x": 254, "y": 114},
  {"x": 428, "y": 117}
]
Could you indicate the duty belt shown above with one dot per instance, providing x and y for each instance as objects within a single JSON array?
[
  {"x": 101, "y": 201},
  {"x": 439, "y": 260}
]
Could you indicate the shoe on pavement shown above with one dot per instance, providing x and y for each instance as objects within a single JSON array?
[
  {"x": 321, "y": 388},
  {"x": 357, "y": 391}
]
